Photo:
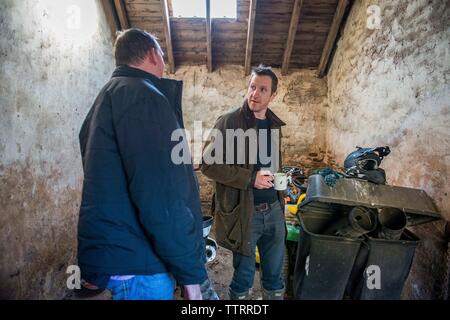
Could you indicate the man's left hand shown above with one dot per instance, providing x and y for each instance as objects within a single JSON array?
[{"x": 192, "y": 292}]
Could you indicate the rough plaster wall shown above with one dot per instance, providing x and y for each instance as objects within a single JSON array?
[
  {"x": 49, "y": 77},
  {"x": 301, "y": 103},
  {"x": 391, "y": 87}
]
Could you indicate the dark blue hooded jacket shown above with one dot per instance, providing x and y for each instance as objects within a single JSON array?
[{"x": 140, "y": 213}]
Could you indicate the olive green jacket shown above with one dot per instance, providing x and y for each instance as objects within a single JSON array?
[{"x": 232, "y": 201}]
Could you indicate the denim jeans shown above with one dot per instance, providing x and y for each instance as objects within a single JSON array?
[
  {"x": 269, "y": 233},
  {"x": 159, "y": 286}
]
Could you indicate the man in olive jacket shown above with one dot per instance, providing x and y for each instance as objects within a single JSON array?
[
  {"x": 140, "y": 222},
  {"x": 248, "y": 210}
]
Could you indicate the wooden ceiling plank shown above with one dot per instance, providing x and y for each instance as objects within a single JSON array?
[
  {"x": 122, "y": 14},
  {"x": 168, "y": 36},
  {"x": 250, "y": 31},
  {"x": 111, "y": 17},
  {"x": 291, "y": 36},
  {"x": 208, "y": 36},
  {"x": 331, "y": 39}
]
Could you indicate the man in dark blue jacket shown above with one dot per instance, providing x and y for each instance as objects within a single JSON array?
[{"x": 140, "y": 223}]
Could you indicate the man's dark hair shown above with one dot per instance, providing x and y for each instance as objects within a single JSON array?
[
  {"x": 263, "y": 70},
  {"x": 133, "y": 45}
]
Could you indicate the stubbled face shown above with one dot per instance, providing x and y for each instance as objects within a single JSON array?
[{"x": 260, "y": 94}]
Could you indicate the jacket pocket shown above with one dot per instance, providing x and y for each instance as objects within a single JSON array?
[
  {"x": 230, "y": 230},
  {"x": 227, "y": 199}
]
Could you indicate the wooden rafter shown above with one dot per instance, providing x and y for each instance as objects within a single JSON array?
[
  {"x": 329, "y": 44},
  {"x": 208, "y": 36},
  {"x": 250, "y": 32},
  {"x": 168, "y": 35},
  {"x": 291, "y": 36},
  {"x": 111, "y": 17},
  {"x": 122, "y": 14}
]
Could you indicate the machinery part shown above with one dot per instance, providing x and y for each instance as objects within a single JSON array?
[
  {"x": 294, "y": 208},
  {"x": 207, "y": 224},
  {"x": 298, "y": 176},
  {"x": 356, "y": 223},
  {"x": 293, "y": 171},
  {"x": 392, "y": 222},
  {"x": 211, "y": 249}
]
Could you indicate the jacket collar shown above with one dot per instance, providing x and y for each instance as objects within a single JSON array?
[
  {"x": 160, "y": 83},
  {"x": 127, "y": 71},
  {"x": 171, "y": 89},
  {"x": 250, "y": 118}
]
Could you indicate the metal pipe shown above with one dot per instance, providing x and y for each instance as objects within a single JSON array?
[
  {"x": 356, "y": 223},
  {"x": 392, "y": 222}
]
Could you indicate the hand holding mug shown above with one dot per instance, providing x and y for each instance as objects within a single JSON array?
[{"x": 263, "y": 180}]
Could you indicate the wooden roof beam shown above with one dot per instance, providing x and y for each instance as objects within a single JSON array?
[
  {"x": 208, "y": 36},
  {"x": 291, "y": 36},
  {"x": 122, "y": 14},
  {"x": 250, "y": 32},
  {"x": 111, "y": 17},
  {"x": 168, "y": 35},
  {"x": 329, "y": 44}
]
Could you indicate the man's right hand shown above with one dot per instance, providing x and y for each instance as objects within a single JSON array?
[{"x": 263, "y": 181}]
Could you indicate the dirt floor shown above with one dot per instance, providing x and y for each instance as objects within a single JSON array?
[
  {"x": 220, "y": 270},
  {"x": 220, "y": 273}
]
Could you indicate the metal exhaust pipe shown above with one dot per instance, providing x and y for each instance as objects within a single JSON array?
[
  {"x": 358, "y": 222},
  {"x": 392, "y": 222}
]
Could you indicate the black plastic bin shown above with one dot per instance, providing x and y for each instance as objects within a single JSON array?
[
  {"x": 381, "y": 268},
  {"x": 328, "y": 267},
  {"x": 323, "y": 263}
]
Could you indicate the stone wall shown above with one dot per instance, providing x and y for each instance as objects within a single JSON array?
[
  {"x": 52, "y": 67},
  {"x": 390, "y": 86},
  {"x": 301, "y": 102}
]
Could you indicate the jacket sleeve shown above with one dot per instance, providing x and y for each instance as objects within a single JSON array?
[
  {"x": 230, "y": 175},
  {"x": 164, "y": 194}
]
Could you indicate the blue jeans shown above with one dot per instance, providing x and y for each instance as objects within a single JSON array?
[
  {"x": 269, "y": 233},
  {"x": 159, "y": 286}
]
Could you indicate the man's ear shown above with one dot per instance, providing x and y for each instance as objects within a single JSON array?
[
  {"x": 273, "y": 96},
  {"x": 151, "y": 55}
]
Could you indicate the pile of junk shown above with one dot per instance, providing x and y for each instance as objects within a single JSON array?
[{"x": 347, "y": 232}]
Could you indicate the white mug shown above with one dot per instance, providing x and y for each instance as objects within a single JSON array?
[{"x": 280, "y": 181}]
